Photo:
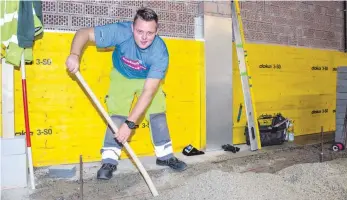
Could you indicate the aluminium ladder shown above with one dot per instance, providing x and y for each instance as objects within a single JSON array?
[{"x": 252, "y": 122}]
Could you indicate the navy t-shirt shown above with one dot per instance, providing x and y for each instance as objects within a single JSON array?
[{"x": 129, "y": 59}]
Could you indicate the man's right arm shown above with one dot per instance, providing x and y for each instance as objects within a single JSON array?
[
  {"x": 80, "y": 39},
  {"x": 103, "y": 36}
]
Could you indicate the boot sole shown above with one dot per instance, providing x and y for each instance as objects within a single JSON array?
[
  {"x": 177, "y": 170},
  {"x": 102, "y": 176}
]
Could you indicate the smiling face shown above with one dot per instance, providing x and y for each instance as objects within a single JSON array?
[{"x": 144, "y": 32}]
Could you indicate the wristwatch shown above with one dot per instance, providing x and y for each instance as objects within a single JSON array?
[{"x": 131, "y": 124}]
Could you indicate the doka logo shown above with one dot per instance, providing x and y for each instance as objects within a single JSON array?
[
  {"x": 269, "y": 66},
  {"x": 22, "y": 133},
  {"x": 265, "y": 66},
  {"x": 320, "y": 111},
  {"x": 39, "y": 132}
]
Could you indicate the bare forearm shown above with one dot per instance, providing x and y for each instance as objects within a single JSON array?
[
  {"x": 142, "y": 104},
  {"x": 80, "y": 39}
]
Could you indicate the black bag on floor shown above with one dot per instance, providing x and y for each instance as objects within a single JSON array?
[{"x": 271, "y": 133}]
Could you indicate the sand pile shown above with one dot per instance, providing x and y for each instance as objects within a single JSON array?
[{"x": 302, "y": 181}]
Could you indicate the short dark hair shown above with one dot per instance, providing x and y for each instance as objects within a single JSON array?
[{"x": 146, "y": 14}]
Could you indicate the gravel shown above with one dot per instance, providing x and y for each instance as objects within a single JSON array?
[
  {"x": 302, "y": 181},
  {"x": 288, "y": 173}
]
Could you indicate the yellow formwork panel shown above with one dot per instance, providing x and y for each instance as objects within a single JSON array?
[
  {"x": 63, "y": 120},
  {"x": 299, "y": 83}
]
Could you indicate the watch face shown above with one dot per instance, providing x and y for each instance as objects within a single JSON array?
[{"x": 131, "y": 125}]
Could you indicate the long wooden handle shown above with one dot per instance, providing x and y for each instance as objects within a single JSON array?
[{"x": 115, "y": 129}]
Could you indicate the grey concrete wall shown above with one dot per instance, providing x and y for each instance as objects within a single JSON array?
[
  {"x": 315, "y": 24},
  {"x": 341, "y": 102}
]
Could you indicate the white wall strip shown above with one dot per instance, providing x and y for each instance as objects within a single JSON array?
[{"x": 7, "y": 100}]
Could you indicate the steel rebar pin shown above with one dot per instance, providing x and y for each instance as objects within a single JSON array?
[{"x": 81, "y": 177}]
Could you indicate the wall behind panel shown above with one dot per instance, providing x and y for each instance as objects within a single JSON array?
[
  {"x": 313, "y": 24},
  {"x": 176, "y": 18},
  {"x": 341, "y": 103}
]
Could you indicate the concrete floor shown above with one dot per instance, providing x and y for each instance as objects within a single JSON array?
[{"x": 128, "y": 169}]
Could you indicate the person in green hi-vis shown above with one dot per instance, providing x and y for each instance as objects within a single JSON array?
[{"x": 140, "y": 60}]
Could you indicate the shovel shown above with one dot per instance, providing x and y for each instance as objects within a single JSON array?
[{"x": 115, "y": 130}]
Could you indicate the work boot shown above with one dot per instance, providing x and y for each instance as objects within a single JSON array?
[
  {"x": 173, "y": 163},
  {"x": 106, "y": 171}
]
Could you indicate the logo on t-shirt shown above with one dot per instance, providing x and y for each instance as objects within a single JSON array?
[{"x": 134, "y": 64}]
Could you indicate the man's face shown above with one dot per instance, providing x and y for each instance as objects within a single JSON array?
[{"x": 144, "y": 32}]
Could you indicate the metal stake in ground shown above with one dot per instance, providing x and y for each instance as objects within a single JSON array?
[
  {"x": 115, "y": 130},
  {"x": 321, "y": 153},
  {"x": 81, "y": 177}
]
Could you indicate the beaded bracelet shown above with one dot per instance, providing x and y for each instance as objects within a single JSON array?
[{"x": 74, "y": 54}]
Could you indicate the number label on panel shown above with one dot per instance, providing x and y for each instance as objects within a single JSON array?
[
  {"x": 144, "y": 125},
  {"x": 321, "y": 111},
  {"x": 44, "y": 61},
  {"x": 269, "y": 66},
  {"x": 38, "y": 132},
  {"x": 319, "y": 68}
]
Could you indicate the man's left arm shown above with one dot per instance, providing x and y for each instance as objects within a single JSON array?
[
  {"x": 158, "y": 68},
  {"x": 150, "y": 88},
  {"x": 159, "y": 65}
]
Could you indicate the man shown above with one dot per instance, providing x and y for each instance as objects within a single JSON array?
[{"x": 140, "y": 63}]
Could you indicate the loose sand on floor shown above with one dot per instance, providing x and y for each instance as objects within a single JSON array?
[
  {"x": 309, "y": 181},
  {"x": 288, "y": 173}
]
